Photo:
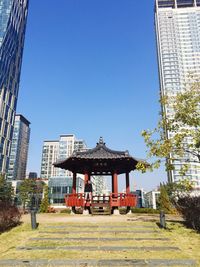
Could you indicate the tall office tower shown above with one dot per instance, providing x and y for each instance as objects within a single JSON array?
[
  {"x": 59, "y": 149},
  {"x": 177, "y": 25},
  {"x": 13, "y": 17},
  {"x": 19, "y": 149}
]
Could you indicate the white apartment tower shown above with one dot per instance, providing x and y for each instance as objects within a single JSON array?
[
  {"x": 177, "y": 24},
  {"x": 59, "y": 150}
]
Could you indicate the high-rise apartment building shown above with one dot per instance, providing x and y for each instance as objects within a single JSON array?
[
  {"x": 58, "y": 150},
  {"x": 100, "y": 186},
  {"x": 60, "y": 181},
  {"x": 19, "y": 149},
  {"x": 177, "y": 25},
  {"x": 13, "y": 17}
]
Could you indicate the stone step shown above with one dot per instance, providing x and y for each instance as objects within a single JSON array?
[
  {"x": 100, "y": 248},
  {"x": 96, "y": 263},
  {"x": 100, "y": 239},
  {"x": 102, "y": 226},
  {"x": 102, "y": 232},
  {"x": 99, "y": 210}
]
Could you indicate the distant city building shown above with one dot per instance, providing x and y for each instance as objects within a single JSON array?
[
  {"x": 60, "y": 181},
  {"x": 140, "y": 198},
  {"x": 50, "y": 153},
  {"x": 177, "y": 25},
  {"x": 59, "y": 150},
  {"x": 32, "y": 175},
  {"x": 151, "y": 199},
  {"x": 100, "y": 186},
  {"x": 60, "y": 186},
  {"x": 13, "y": 17},
  {"x": 19, "y": 149}
]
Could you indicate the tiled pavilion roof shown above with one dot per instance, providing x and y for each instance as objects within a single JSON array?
[{"x": 99, "y": 160}]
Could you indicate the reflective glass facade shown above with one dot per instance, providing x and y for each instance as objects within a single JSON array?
[
  {"x": 13, "y": 17},
  {"x": 19, "y": 149},
  {"x": 178, "y": 46},
  {"x": 60, "y": 186}
]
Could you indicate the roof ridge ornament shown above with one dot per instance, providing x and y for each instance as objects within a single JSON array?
[
  {"x": 101, "y": 142},
  {"x": 127, "y": 153}
]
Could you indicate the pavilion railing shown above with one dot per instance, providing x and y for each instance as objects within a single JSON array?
[
  {"x": 114, "y": 200},
  {"x": 123, "y": 200}
]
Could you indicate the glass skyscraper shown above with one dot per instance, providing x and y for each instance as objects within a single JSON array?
[
  {"x": 177, "y": 25},
  {"x": 13, "y": 17},
  {"x": 19, "y": 149}
]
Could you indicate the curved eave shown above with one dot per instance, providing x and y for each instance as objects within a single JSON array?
[{"x": 98, "y": 165}]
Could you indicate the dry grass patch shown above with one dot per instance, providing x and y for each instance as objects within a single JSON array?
[{"x": 187, "y": 240}]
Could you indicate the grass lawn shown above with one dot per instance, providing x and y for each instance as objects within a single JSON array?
[{"x": 186, "y": 240}]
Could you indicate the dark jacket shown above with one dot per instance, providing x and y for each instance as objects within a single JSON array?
[{"x": 88, "y": 188}]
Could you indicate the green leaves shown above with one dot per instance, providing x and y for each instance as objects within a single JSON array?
[
  {"x": 6, "y": 190},
  {"x": 164, "y": 200},
  {"x": 27, "y": 189},
  {"x": 178, "y": 131},
  {"x": 45, "y": 201}
]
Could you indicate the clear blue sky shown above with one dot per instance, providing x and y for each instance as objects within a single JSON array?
[{"x": 90, "y": 68}]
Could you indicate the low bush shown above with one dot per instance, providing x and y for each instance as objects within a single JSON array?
[
  {"x": 51, "y": 210},
  {"x": 9, "y": 216},
  {"x": 189, "y": 208},
  {"x": 144, "y": 210},
  {"x": 67, "y": 211}
]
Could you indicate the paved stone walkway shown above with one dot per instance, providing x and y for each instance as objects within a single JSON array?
[
  {"x": 98, "y": 248},
  {"x": 102, "y": 232},
  {"x": 102, "y": 226},
  {"x": 127, "y": 240},
  {"x": 101, "y": 238},
  {"x": 87, "y": 263}
]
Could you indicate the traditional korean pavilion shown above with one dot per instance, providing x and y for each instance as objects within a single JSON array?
[{"x": 100, "y": 161}]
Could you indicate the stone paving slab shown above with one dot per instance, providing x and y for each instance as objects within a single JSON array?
[
  {"x": 98, "y": 226},
  {"x": 96, "y": 232},
  {"x": 93, "y": 263},
  {"x": 99, "y": 248},
  {"x": 101, "y": 238}
]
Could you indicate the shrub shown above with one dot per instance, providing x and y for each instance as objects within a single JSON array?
[
  {"x": 144, "y": 210},
  {"x": 164, "y": 202},
  {"x": 67, "y": 211},
  {"x": 44, "y": 206},
  {"x": 51, "y": 210},
  {"x": 189, "y": 208},
  {"x": 9, "y": 216}
]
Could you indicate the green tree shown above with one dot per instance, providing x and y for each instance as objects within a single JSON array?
[
  {"x": 180, "y": 188},
  {"x": 45, "y": 201},
  {"x": 169, "y": 140},
  {"x": 26, "y": 190},
  {"x": 6, "y": 190},
  {"x": 164, "y": 201}
]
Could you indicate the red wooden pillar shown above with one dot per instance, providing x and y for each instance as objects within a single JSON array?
[
  {"x": 115, "y": 183},
  {"x": 74, "y": 183},
  {"x": 112, "y": 183},
  {"x": 127, "y": 183}
]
